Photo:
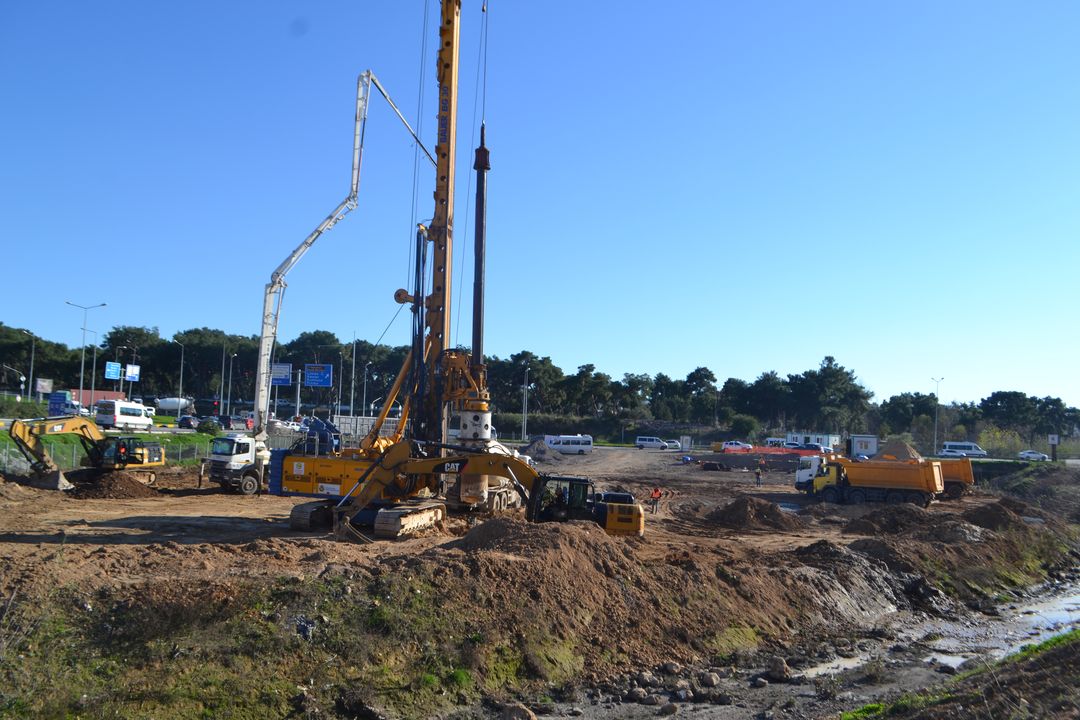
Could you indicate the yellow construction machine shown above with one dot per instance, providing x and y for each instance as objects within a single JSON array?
[
  {"x": 402, "y": 480},
  {"x": 102, "y": 452}
]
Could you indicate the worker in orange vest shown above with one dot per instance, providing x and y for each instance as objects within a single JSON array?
[{"x": 654, "y": 497}]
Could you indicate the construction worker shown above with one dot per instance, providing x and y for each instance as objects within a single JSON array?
[
  {"x": 760, "y": 470},
  {"x": 654, "y": 498}
]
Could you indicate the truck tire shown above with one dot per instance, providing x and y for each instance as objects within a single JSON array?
[
  {"x": 249, "y": 484},
  {"x": 954, "y": 490},
  {"x": 856, "y": 497},
  {"x": 830, "y": 495},
  {"x": 894, "y": 497}
]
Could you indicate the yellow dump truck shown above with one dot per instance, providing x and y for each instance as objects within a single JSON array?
[
  {"x": 958, "y": 476},
  {"x": 837, "y": 479}
]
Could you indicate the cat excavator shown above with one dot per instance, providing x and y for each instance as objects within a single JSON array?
[
  {"x": 103, "y": 452},
  {"x": 396, "y": 480}
]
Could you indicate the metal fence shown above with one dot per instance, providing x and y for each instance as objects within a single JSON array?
[{"x": 70, "y": 457}]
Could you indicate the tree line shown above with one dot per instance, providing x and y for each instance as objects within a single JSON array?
[{"x": 828, "y": 398}]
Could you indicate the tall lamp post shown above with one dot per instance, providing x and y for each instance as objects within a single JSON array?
[
  {"x": 525, "y": 405},
  {"x": 93, "y": 374},
  {"x": 228, "y": 402},
  {"x": 117, "y": 361},
  {"x": 352, "y": 379},
  {"x": 33, "y": 345},
  {"x": 82, "y": 363},
  {"x": 937, "y": 404},
  {"x": 180, "y": 392},
  {"x": 363, "y": 406},
  {"x": 341, "y": 381}
]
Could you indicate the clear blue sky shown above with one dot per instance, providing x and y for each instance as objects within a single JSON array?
[{"x": 746, "y": 186}]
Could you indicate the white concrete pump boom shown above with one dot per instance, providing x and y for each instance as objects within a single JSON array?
[{"x": 275, "y": 289}]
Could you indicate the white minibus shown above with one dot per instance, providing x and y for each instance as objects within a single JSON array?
[
  {"x": 570, "y": 444},
  {"x": 122, "y": 415}
]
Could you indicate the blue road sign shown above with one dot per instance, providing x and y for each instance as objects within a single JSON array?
[
  {"x": 318, "y": 375},
  {"x": 56, "y": 403},
  {"x": 112, "y": 371},
  {"x": 281, "y": 374}
]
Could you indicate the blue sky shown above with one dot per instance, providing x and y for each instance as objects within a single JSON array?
[{"x": 744, "y": 186}]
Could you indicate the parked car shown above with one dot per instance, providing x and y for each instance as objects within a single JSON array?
[
  {"x": 647, "y": 441},
  {"x": 793, "y": 445},
  {"x": 736, "y": 446},
  {"x": 1032, "y": 455},
  {"x": 187, "y": 421},
  {"x": 950, "y": 452},
  {"x": 816, "y": 447},
  {"x": 673, "y": 445}
]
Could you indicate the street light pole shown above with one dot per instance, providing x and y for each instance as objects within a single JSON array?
[
  {"x": 93, "y": 374},
  {"x": 82, "y": 363},
  {"x": 525, "y": 405},
  {"x": 352, "y": 377},
  {"x": 228, "y": 405},
  {"x": 180, "y": 392},
  {"x": 364, "y": 405},
  {"x": 341, "y": 374},
  {"x": 937, "y": 404},
  {"x": 221, "y": 385},
  {"x": 33, "y": 345},
  {"x": 118, "y": 351}
]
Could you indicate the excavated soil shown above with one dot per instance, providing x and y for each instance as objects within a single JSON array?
[
  {"x": 725, "y": 567},
  {"x": 750, "y": 513},
  {"x": 93, "y": 484}
]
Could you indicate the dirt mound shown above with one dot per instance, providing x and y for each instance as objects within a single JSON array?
[
  {"x": 897, "y": 450},
  {"x": 995, "y": 516},
  {"x": 111, "y": 485},
  {"x": 750, "y": 513},
  {"x": 889, "y": 520},
  {"x": 540, "y": 452},
  {"x": 510, "y": 535}
]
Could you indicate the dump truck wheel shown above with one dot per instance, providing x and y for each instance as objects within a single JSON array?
[
  {"x": 830, "y": 495},
  {"x": 954, "y": 490},
  {"x": 894, "y": 497},
  {"x": 856, "y": 497},
  {"x": 249, "y": 484}
]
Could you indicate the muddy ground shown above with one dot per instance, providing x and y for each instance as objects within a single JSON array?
[{"x": 726, "y": 608}]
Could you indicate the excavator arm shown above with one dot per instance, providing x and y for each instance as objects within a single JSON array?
[{"x": 27, "y": 436}]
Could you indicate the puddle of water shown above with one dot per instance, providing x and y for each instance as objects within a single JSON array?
[
  {"x": 835, "y": 666},
  {"x": 1028, "y": 624},
  {"x": 946, "y": 659}
]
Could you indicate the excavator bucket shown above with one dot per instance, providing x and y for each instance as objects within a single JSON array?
[{"x": 53, "y": 480}]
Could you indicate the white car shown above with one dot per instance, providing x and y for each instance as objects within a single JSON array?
[
  {"x": 673, "y": 445},
  {"x": 1032, "y": 455},
  {"x": 736, "y": 446},
  {"x": 949, "y": 452}
]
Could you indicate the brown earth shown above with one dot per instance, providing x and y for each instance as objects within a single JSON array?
[{"x": 725, "y": 567}]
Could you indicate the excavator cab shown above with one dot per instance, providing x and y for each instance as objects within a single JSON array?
[{"x": 559, "y": 499}]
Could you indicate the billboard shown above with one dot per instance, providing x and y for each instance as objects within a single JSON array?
[{"x": 131, "y": 373}]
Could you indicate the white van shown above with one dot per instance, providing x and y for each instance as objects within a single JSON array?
[
  {"x": 570, "y": 444},
  {"x": 646, "y": 441},
  {"x": 122, "y": 415},
  {"x": 969, "y": 449}
]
